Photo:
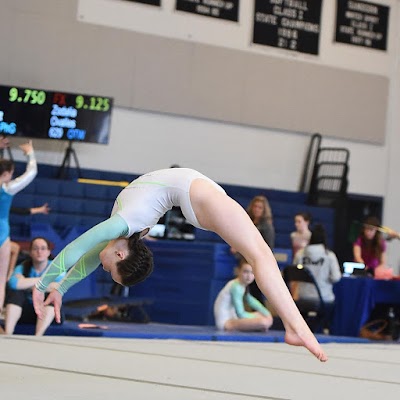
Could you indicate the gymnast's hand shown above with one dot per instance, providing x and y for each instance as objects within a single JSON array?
[
  {"x": 38, "y": 299},
  {"x": 55, "y": 298},
  {"x": 27, "y": 147}
]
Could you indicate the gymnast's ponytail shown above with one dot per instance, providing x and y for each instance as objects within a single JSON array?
[{"x": 138, "y": 265}]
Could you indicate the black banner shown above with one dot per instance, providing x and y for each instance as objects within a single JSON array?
[
  {"x": 151, "y": 2},
  {"x": 362, "y": 24},
  {"x": 288, "y": 24},
  {"x": 221, "y": 9}
]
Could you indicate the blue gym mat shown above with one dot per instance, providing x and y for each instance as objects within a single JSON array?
[{"x": 166, "y": 331}]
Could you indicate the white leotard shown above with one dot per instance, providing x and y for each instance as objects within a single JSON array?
[
  {"x": 144, "y": 201},
  {"x": 224, "y": 309},
  {"x": 138, "y": 207}
]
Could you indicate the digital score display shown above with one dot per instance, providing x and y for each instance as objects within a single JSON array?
[{"x": 43, "y": 114}]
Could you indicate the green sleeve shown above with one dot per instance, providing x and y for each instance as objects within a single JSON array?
[
  {"x": 84, "y": 267},
  {"x": 237, "y": 292},
  {"x": 256, "y": 305},
  {"x": 110, "y": 229}
]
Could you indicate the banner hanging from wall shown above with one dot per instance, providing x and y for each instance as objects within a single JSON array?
[
  {"x": 291, "y": 25},
  {"x": 362, "y": 24},
  {"x": 150, "y": 2},
  {"x": 221, "y": 9}
]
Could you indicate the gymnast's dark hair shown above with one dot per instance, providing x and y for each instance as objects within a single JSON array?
[
  {"x": 138, "y": 265},
  {"x": 6, "y": 166}
]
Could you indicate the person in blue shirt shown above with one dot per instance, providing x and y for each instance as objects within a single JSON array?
[
  {"x": 9, "y": 187},
  {"x": 230, "y": 305},
  {"x": 19, "y": 306}
]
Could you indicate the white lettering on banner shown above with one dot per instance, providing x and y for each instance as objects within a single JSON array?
[
  {"x": 300, "y": 5},
  {"x": 266, "y": 18},
  {"x": 363, "y": 7}
]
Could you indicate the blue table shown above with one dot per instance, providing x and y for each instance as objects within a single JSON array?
[{"x": 355, "y": 299}]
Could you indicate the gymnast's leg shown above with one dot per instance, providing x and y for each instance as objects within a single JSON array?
[
  {"x": 219, "y": 213},
  {"x": 4, "y": 262}
]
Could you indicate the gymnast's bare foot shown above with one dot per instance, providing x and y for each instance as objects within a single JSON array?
[{"x": 308, "y": 340}]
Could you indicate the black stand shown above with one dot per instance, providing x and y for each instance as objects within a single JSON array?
[
  {"x": 10, "y": 156},
  {"x": 69, "y": 151}
]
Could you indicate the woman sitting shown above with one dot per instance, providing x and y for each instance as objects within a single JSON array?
[
  {"x": 19, "y": 306},
  {"x": 324, "y": 266}
]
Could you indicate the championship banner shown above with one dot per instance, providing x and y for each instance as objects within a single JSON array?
[
  {"x": 228, "y": 10},
  {"x": 150, "y": 2},
  {"x": 288, "y": 24},
  {"x": 362, "y": 24}
]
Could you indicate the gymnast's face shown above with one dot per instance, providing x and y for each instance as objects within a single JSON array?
[
  {"x": 7, "y": 176},
  {"x": 115, "y": 251}
]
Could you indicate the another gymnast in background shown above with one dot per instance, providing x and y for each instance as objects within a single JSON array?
[
  {"x": 8, "y": 188},
  {"x": 230, "y": 305},
  {"x": 117, "y": 244}
]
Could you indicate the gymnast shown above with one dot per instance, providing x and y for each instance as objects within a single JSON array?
[
  {"x": 8, "y": 188},
  {"x": 116, "y": 243}
]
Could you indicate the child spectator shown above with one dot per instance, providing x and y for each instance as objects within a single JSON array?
[{"x": 230, "y": 305}]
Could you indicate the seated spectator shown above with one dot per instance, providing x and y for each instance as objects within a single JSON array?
[
  {"x": 260, "y": 213},
  {"x": 325, "y": 268},
  {"x": 19, "y": 305},
  {"x": 370, "y": 249},
  {"x": 14, "y": 246},
  {"x": 231, "y": 303},
  {"x": 301, "y": 236}
]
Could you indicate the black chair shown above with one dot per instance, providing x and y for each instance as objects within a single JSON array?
[{"x": 313, "y": 311}]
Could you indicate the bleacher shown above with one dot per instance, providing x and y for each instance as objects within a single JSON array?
[{"x": 188, "y": 275}]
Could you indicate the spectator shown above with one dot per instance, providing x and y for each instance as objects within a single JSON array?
[
  {"x": 301, "y": 236},
  {"x": 4, "y": 142},
  {"x": 14, "y": 246},
  {"x": 370, "y": 246},
  {"x": 19, "y": 306},
  {"x": 229, "y": 307},
  {"x": 260, "y": 213},
  {"x": 325, "y": 268}
]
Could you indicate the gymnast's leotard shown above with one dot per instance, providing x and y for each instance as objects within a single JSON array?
[
  {"x": 139, "y": 206},
  {"x": 8, "y": 190}
]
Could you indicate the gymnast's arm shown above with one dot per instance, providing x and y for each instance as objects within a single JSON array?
[
  {"x": 20, "y": 210},
  {"x": 89, "y": 244},
  {"x": 17, "y": 184},
  {"x": 84, "y": 267}
]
